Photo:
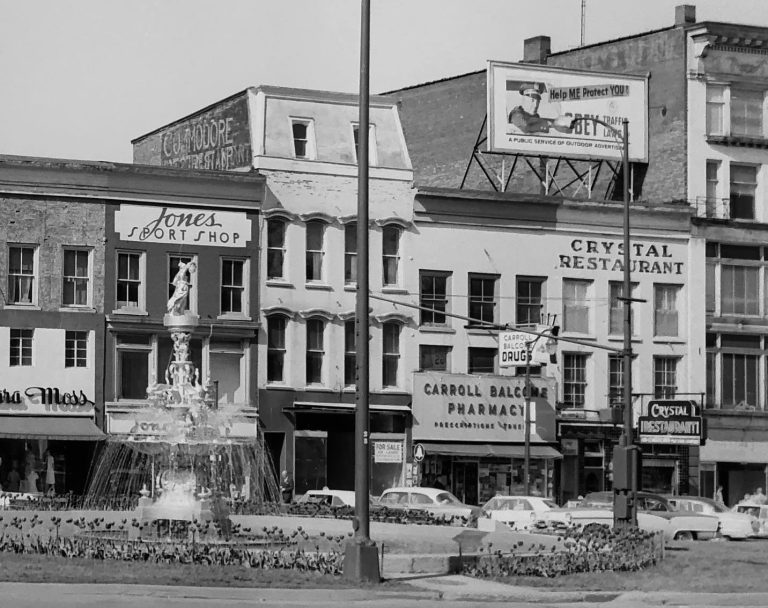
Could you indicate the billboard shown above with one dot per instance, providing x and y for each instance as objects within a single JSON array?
[{"x": 531, "y": 107}]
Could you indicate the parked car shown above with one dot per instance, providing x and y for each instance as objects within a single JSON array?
[
  {"x": 518, "y": 512},
  {"x": 759, "y": 512},
  {"x": 435, "y": 501},
  {"x": 654, "y": 513},
  {"x": 333, "y": 498},
  {"x": 733, "y": 525}
]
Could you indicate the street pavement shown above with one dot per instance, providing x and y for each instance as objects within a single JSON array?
[{"x": 423, "y": 592}]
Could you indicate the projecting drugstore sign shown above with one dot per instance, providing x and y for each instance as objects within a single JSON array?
[
  {"x": 182, "y": 226},
  {"x": 466, "y": 408},
  {"x": 671, "y": 422}
]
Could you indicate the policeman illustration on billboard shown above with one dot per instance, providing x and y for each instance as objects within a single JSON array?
[{"x": 524, "y": 117}]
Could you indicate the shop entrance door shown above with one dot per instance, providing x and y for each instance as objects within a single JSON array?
[{"x": 464, "y": 480}]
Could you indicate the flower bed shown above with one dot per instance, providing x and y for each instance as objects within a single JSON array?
[
  {"x": 103, "y": 541},
  {"x": 596, "y": 550}
]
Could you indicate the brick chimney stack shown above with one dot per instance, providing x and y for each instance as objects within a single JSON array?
[
  {"x": 685, "y": 14},
  {"x": 537, "y": 49}
]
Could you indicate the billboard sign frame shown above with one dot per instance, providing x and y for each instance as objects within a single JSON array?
[{"x": 530, "y": 108}]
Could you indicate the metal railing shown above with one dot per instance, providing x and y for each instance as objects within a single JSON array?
[{"x": 715, "y": 208}]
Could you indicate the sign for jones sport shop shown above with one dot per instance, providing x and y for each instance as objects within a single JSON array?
[
  {"x": 182, "y": 226},
  {"x": 456, "y": 407}
]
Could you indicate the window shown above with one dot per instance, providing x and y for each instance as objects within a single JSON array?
[
  {"x": 21, "y": 275},
  {"x": 350, "y": 253},
  {"x": 433, "y": 358},
  {"x": 664, "y": 377},
  {"x": 315, "y": 350},
  {"x": 574, "y": 380},
  {"x": 665, "y": 315},
  {"x": 226, "y": 366},
  {"x": 391, "y": 354},
  {"x": 276, "y": 327},
  {"x": 576, "y": 305},
  {"x": 233, "y": 287},
  {"x": 743, "y": 186},
  {"x": 715, "y": 110},
  {"x": 740, "y": 380},
  {"x": 76, "y": 349},
  {"x": 615, "y": 379},
  {"x": 130, "y": 271},
  {"x": 391, "y": 255},
  {"x": 74, "y": 289},
  {"x": 371, "y": 143},
  {"x": 713, "y": 188},
  {"x": 482, "y": 298},
  {"x": 433, "y": 294},
  {"x": 746, "y": 112},
  {"x": 174, "y": 261},
  {"x": 739, "y": 290},
  {"x": 315, "y": 250},
  {"x": 21, "y": 347},
  {"x": 481, "y": 360},
  {"x": 276, "y": 248},
  {"x": 134, "y": 353},
  {"x": 350, "y": 349},
  {"x": 616, "y": 321},
  {"x": 711, "y": 379},
  {"x": 303, "y": 139},
  {"x": 530, "y": 301}
]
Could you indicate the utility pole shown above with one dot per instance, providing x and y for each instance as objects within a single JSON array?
[{"x": 361, "y": 558}]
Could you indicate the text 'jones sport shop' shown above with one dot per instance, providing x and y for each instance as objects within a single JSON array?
[{"x": 472, "y": 429}]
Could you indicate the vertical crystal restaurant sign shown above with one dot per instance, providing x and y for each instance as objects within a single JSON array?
[{"x": 182, "y": 226}]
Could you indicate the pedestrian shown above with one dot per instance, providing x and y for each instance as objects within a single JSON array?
[
  {"x": 758, "y": 497},
  {"x": 286, "y": 487},
  {"x": 719, "y": 495}
]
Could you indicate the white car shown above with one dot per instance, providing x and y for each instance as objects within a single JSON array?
[
  {"x": 759, "y": 512},
  {"x": 333, "y": 498},
  {"x": 654, "y": 514},
  {"x": 733, "y": 524},
  {"x": 518, "y": 512},
  {"x": 435, "y": 501}
]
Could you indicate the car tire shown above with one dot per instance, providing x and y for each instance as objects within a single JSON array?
[{"x": 684, "y": 535}]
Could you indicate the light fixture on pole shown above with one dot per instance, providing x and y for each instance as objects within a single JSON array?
[{"x": 626, "y": 462}]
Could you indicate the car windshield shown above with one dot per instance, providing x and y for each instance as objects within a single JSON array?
[
  {"x": 498, "y": 503},
  {"x": 446, "y": 498},
  {"x": 749, "y": 510},
  {"x": 550, "y": 504}
]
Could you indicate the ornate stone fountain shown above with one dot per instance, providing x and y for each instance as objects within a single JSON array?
[{"x": 191, "y": 457}]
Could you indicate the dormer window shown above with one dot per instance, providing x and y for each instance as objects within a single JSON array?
[
  {"x": 371, "y": 143},
  {"x": 303, "y": 138}
]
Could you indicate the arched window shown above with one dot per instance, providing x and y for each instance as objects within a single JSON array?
[
  {"x": 276, "y": 347},
  {"x": 315, "y": 250},
  {"x": 350, "y": 253},
  {"x": 276, "y": 248},
  {"x": 391, "y": 255},
  {"x": 390, "y": 354},
  {"x": 315, "y": 350}
]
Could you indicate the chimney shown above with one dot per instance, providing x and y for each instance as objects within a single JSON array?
[
  {"x": 537, "y": 49},
  {"x": 685, "y": 14}
]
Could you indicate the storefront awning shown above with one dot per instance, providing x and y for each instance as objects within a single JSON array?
[
  {"x": 50, "y": 427},
  {"x": 489, "y": 449},
  {"x": 346, "y": 407},
  {"x": 734, "y": 451}
]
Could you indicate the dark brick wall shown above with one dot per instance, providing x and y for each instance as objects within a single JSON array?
[
  {"x": 662, "y": 55},
  {"x": 442, "y": 120},
  {"x": 51, "y": 225}
]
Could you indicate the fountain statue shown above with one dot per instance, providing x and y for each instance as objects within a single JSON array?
[{"x": 185, "y": 449}]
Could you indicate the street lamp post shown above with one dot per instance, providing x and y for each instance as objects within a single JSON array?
[
  {"x": 361, "y": 558},
  {"x": 626, "y": 456}
]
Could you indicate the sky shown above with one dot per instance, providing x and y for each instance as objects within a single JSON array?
[{"x": 79, "y": 79}]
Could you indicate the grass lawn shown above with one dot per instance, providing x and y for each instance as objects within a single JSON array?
[
  {"x": 701, "y": 566},
  {"x": 46, "y": 569}
]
